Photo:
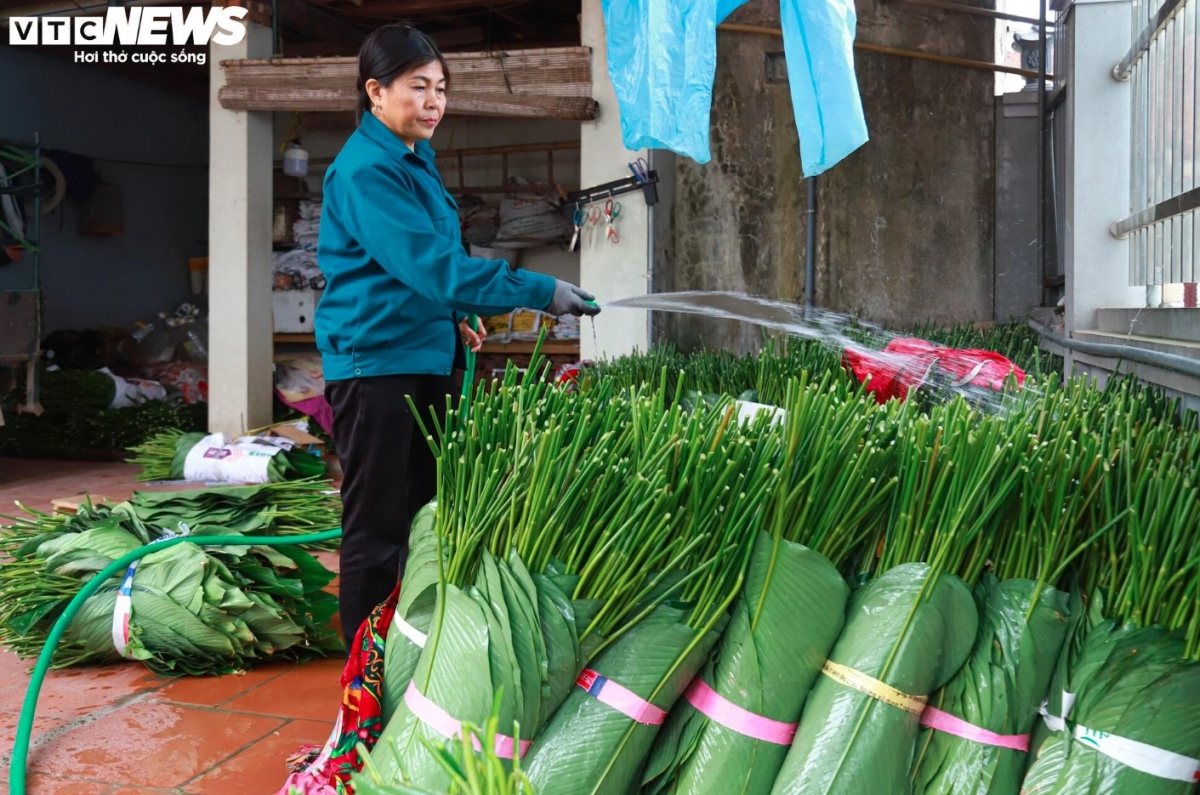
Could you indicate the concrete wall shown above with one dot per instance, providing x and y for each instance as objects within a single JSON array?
[
  {"x": 739, "y": 219},
  {"x": 905, "y": 225},
  {"x": 92, "y": 281},
  {"x": 466, "y": 132},
  {"x": 1018, "y": 268}
]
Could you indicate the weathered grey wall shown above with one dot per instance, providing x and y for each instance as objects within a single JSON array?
[
  {"x": 1018, "y": 267},
  {"x": 905, "y": 225},
  {"x": 739, "y": 219}
]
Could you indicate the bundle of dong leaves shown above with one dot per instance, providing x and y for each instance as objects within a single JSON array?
[
  {"x": 659, "y": 596},
  {"x": 163, "y": 455},
  {"x": 193, "y": 610}
]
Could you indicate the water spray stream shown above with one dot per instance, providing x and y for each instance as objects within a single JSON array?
[{"x": 831, "y": 329}]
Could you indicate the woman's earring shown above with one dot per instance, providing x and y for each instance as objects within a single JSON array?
[{"x": 377, "y": 111}]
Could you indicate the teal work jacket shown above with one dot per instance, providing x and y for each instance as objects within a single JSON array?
[{"x": 397, "y": 276}]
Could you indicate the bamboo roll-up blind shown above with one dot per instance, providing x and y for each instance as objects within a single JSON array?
[{"x": 549, "y": 83}]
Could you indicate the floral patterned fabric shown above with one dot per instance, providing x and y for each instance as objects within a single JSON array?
[{"x": 327, "y": 770}]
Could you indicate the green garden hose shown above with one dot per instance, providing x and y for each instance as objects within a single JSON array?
[
  {"x": 20, "y": 755},
  {"x": 469, "y": 376}
]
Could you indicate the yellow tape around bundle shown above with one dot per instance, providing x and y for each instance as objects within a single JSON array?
[{"x": 867, "y": 685}]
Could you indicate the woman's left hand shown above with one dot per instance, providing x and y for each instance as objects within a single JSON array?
[{"x": 473, "y": 339}]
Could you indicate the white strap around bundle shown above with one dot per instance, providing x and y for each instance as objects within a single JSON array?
[
  {"x": 409, "y": 631},
  {"x": 123, "y": 612},
  {"x": 123, "y": 609},
  {"x": 1140, "y": 756},
  {"x": 1056, "y": 723}
]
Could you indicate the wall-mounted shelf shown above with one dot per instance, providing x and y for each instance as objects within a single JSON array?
[
  {"x": 503, "y": 152},
  {"x": 549, "y": 347},
  {"x": 611, "y": 190}
]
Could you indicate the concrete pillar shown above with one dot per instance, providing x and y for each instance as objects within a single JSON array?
[
  {"x": 1097, "y": 163},
  {"x": 612, "y": 271},
  {"x": 239, "y": 252}
]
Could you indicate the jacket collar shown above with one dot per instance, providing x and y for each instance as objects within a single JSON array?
[{"x": 374, "y": 129}]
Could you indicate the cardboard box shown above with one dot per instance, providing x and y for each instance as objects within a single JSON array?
[
  {"x": 294, "y": 309},
  {"x": 304, "y": 441},
  {"x": 73, "y": 504}
]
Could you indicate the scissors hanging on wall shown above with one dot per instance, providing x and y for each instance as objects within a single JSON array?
[
  {"x": 590, "y": 218},
  {"x": 612, "y": 211},
  {"x": 577, "y": 220},
  {"x": 640, "y": 170}
]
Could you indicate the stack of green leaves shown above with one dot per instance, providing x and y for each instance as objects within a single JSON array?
[
  {"x": 69, "y": 391},
  {"x": 835, "y": 488},
  {"x": 724, "y": 473},
  {"x": 162, "y": 457},
  {"x": 1024, "y": 619},
  {"x": 194, "y": 611},
  {"x": 611, "y": 501},
  {"x": 110, "y": 432},
  {"x": 292, "y": 507},
  {"x": 1122, "y": 714},
  {"x": 485, "y": 452},
  {"x": 910, "y": 630},
  {"x": 565, "y": 534}
]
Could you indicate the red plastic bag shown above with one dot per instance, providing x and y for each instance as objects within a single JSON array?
[
  {"x": 567, "y": 376},
  {"x": 906, "y": 362}
]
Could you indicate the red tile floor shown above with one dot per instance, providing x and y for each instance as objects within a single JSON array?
[{"x": 121, "y": 730}]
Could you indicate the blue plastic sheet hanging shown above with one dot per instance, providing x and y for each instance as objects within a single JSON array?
[
  {"x": 818, "y": 41},
  {"x": 662, "y": 58}
]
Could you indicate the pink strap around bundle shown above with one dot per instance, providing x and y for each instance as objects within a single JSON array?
[
  {"x": 731, "y": 716},
  {"x": 441, "y": 722},
  {"x": 945, "y": 722},
  {"x": 623, "y": 700}
]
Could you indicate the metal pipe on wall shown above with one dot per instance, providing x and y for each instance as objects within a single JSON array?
[
  {"x": 650, "y": 240},
  {"x": 1167, "y": 361},
  {"x": 1041, "y": 148},
  {"x": 960, "y": 8},
  {"x": 917, "y": 55},
  {"x": 810, "y": 244}
]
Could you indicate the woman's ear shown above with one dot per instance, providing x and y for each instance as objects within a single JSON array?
[{"x": 374, "y": 91}]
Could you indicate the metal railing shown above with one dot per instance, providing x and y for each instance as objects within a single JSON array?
[{"x": 1164, "y": 182}]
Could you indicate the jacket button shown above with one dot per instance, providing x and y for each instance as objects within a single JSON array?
[{"x": 357, "y": 371}]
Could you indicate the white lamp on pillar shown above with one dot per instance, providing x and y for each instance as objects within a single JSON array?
[{"x": 295, "y": 160}]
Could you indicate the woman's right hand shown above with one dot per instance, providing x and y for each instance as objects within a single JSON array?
[
  {"x": 472, "y": 338},
  {"x": 571, "y": 300}
]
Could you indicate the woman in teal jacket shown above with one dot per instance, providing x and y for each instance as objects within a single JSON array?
[{"x": 398, "y": 283}]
